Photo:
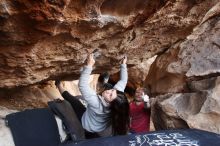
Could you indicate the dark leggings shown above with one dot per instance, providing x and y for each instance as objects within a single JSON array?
[
  {"x": 79, "y": 109},
  {"x": 77, "y": 106}
]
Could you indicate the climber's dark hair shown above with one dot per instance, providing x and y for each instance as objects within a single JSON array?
[
  {"x": 120, "y": 114},
  {"x": 104, "y": 87}
]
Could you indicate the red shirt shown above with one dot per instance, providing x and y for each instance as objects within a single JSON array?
[{"x": 140, "y": 118}]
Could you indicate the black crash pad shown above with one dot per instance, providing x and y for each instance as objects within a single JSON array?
[
  {"x": 35, "y": 127},
  {"x": 189, "y": 137}
]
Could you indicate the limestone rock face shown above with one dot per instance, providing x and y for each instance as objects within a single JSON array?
[
  {"x": 44, "y": 40},
  {"x": 185, "y": 79}
]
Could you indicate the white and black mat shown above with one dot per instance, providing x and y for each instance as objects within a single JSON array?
[{"x": 189, "y": 137}]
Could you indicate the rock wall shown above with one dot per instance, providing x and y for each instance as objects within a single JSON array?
[
  {"x": 185, "y": 79},
  {"x": 45, "y": 40}
]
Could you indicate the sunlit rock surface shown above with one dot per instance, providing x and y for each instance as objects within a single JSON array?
[
  {"x": 189, "y": 71},
  {"x": 38, "y": 95}
]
